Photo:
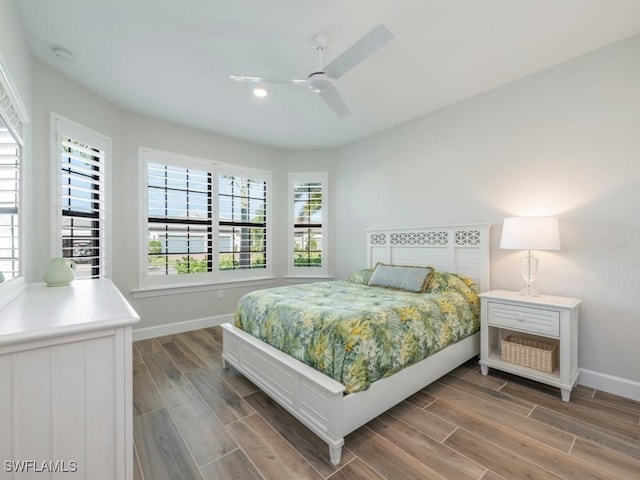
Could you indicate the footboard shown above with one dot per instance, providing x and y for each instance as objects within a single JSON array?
[{"x": 313, "y": 398}]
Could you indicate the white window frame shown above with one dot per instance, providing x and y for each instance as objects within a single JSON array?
[
  {"x": 309, "y": 272},
  {"x": 14, "y": 115},
  {"x": 215, "y": 277},
  {"x": 61, "y": 126}
]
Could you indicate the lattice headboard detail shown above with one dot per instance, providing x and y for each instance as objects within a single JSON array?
[{"x": 452, "y": 248}]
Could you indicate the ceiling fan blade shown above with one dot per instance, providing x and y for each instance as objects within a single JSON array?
[
  {"x": 335, "y": 102},
  {"x": 263, "y": 80},
  {"x": 356, "y": 53}
]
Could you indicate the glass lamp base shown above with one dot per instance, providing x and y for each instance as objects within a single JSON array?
[
  {"x": 529, "y": 272},
  {"x": 529, "y": 291}
]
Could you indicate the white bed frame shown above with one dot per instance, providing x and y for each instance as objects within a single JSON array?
[{"x": 317, "y": 400}]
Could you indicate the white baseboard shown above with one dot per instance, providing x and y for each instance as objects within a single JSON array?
[
  {"x": 609, "y": 383},
  {"x": 179, "y": 327}
]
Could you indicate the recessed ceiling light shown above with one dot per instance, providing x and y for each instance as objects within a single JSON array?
[
  {"x": 63, "y": 53},
  {"x": 260, "y": 92}
]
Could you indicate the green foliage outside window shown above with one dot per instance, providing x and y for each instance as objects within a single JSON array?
[
  {"x": 227, "y": 262},
  {"x": 155, "y": 247},
  {"x": 303, "y": 259},
  {"x": 190, "y": 265}
]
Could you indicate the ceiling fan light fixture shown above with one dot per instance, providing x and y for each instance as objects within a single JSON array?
[
  {"x": 319, "y": 82},
  {"x": 260, "y": 91}
]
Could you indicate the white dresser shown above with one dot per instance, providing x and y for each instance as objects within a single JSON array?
[{"x": 66, "y": 383}]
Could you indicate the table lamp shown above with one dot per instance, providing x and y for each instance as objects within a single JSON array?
[{"x": 530, "y": 233}]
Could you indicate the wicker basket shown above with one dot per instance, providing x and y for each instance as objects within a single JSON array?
[{"x": 530, "y": 353}]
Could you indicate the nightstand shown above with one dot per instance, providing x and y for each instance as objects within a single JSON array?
[{"x": 545, "y": 318}]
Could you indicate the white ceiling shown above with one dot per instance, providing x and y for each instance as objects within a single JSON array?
[{"x": 172, "y": 60}]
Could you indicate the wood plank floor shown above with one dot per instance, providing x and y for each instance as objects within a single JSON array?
[{"x": 195, "y": 421}]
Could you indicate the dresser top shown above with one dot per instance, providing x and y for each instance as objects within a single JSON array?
[
  {"x": 85, "y": 305},
  {"x": 541, "y": 300}
]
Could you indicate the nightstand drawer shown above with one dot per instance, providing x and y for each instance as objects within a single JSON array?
[{"x": 534, "y": 320}]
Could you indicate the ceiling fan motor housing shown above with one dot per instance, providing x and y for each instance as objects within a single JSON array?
[{"x": 319, "y": 82}]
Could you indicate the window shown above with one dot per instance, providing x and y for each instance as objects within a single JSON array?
[
  {"x": 242, "y": 222},
  {"x": 179, "y": 220},
  {"x": 9, "y": 204},
  {"x": 13, "y": 120},
  {"x": 82, "y": 191},
  {"x": 206, "y": 222},
  {"x": 308, "y": 237}
]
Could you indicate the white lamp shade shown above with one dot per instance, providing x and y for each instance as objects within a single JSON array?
[{"x": 530, "y": 233}]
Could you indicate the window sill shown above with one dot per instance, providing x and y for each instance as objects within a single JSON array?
[{"x": 163, "y": 290}]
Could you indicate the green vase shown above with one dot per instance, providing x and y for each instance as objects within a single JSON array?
[{"x": 60, "y": 272}]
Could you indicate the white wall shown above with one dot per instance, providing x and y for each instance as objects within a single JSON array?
[
  {"x": 14, "y": 51},
  {"x": 563, "y": 142},
  {"x": 129, "y": 131}
]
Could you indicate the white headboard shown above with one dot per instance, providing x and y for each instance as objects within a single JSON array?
[{"x": 460, "y": 249}]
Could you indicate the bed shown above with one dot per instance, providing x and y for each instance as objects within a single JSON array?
[{"x": 333, "y": 404}]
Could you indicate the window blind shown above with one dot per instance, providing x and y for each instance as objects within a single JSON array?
[
  {"x": 9, "y": 203},
  {"x": 242, "y": 220},
  {"x": 205, "y": 219},
  {"x": 83, "y": 206},
  {"x": 308, "y": 224},
  {"x": 180, "y": 237}
]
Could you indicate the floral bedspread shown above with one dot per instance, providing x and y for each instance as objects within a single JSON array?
[{"x": 357, "y": 334}]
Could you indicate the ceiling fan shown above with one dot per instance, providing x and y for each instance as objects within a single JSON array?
[{"x": 321, "y": 81}]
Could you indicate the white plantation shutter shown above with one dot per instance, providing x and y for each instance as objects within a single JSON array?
[
  {"x": 308, "y": 224},
  {"x": 242, "y": 222},
  {"x": 9, "y": 203},
  {"x": 13, "y": 123},
  {"x": 179, "y": 207},
  {"x": 205, "y": 222},
  {"x": 13, "y": 119},
  {"x": 82, "y": 233}
]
